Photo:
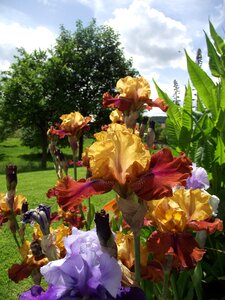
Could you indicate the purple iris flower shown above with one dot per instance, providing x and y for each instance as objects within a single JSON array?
[
  {"x": 86, "y": 272},
  {"x": 199, "y": 179}
]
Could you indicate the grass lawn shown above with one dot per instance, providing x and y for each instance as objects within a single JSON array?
[{"x": 33, "y": 185}]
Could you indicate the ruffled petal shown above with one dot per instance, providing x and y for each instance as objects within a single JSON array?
[
  {"x": 70, "y": 193},
  {"x": 121, "y": 103},
  {"x": 165, "y": 173},
  {"x": 182, "y": 246},
  {"x": 157, "y": 103},
  {"x": 210, "y": 227}
]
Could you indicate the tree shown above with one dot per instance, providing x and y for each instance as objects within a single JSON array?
[{"x": 72, "y": 76}]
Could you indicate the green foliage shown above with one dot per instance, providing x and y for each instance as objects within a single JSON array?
[
  {"x": 201, "y": 133},
  {"x": 43, "y": 85}
]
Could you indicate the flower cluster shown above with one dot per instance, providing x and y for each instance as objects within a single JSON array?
[{"x": 161, "y": 213}]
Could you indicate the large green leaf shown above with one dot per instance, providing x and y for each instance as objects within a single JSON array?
[
  {"x": 218, "y": 41},
  {"x": 204, "y": 86},
  {"x": 215, "y": 62},
  {"x": 222, "y": 93},
  {"x": 173, "y": 111},
  {"x": 219, "y": 155},
  {"x": 172, "y": 135},
  {"x": 220, "y": 123},
  {"x": 187, "y": 108},
  {"x": 187, "y": 121}
]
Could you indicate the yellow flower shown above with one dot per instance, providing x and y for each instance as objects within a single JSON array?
[
  {"x": 116, "y": 116},
  {"x": 125, "y": 248},
  {"x": 17, "y": 204},
  {"x": 172, "y": 214},
  {"x": 137, "y": 89},
  {"x": 118, "y": 155},
  {"x": 74, "y": 122}
]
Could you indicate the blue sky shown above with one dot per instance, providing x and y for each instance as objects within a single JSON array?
[{"x": 154, "y": 33}]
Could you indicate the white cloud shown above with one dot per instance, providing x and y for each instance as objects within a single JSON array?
[
  {"x": 149, "y": 36},
  {"x": 14, "y": 35}
]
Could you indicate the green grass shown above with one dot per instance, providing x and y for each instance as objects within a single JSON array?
[{"x": 33, "y": 185}]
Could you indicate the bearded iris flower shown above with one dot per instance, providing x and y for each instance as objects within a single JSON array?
[
  {"x": 5, "y": 213},
  {"x": 174, "y": 218},
  {"x": 73, "y": 124},
  {"x": 119, "y": 160},
  {"x": 134, "y": 94},
  {"x": 86, "y": 272}
]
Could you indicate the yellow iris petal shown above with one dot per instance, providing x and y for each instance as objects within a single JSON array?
[
  {"x": 118, "y": 155},
  {"x": 171, "y": 214},
  {"x": 116, "y": 116},
  {"x": 133, "y": 88}
]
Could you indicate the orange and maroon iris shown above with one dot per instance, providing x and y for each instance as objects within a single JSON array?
[
  {"x": 134, "y": 94},
  {"x": 119, "y": 160},
  {"x": 175, "y": 218}
]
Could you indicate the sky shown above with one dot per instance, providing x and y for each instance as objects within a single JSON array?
[{"x": 154, "y": 33}]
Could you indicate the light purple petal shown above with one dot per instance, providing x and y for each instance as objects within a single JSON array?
[
  {"x": 199, "y": 179},
  {"x": 111, "y": 274}
]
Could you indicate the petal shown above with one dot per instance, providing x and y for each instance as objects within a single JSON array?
[
  {"x": 118, "y": 155},
  {"x": 184, "y": 248},
  {"x": 165, "y": 173},
  {"x": 199, "y": 179},
  {"x": 210, "y": 227},
  {"x": 157, "y": 103},
  {"x": 111, "y": 274},
  {"x": 18, "y": 272},
  {"x": 70, "y": 193},
  {"x": 121, "y": 103}
]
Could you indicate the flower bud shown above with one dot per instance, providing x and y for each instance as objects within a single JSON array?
[
  {"x": 104, "y": 233},
  {"x": 11, "y": 177}
]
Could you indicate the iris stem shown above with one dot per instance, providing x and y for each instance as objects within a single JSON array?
[
  {"x": 174, "y": 287},
  {"x": 75, "y": 177},
  {"x": 89, "y": 215},
  {"x": 74, "y": 164},
  {"x": 16, "y": 240},
  {"x": 137, "y": 261},
  {"x": 167, "y": 270}
]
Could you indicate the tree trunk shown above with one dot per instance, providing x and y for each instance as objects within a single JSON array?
[{"x": 44, "y": 148}]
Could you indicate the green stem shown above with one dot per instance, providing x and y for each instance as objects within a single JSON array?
[
  {"x": 74, "y": 164},
  {"x": 167, "y": 270},
  {"x": 89, "y": 215},
  {"x": 174, "y": 287},
  {"x": 83, "y": 216},
  {"x": 16, "y": 240},
  {"x": 14, "y": 219},
  {"x": 137, "y": 262},
  {"x": 165, "y": 285}
]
